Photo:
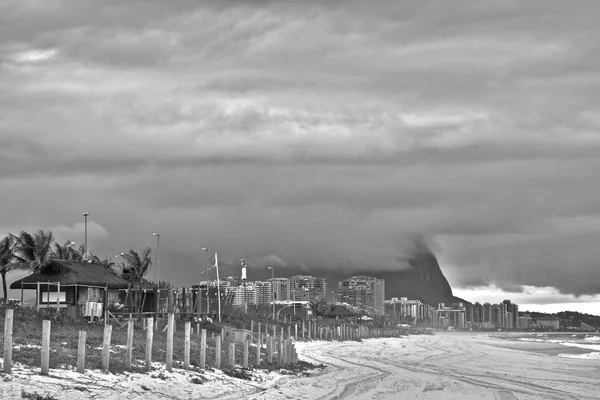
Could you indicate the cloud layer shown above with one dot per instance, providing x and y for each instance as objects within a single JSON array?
[{"x": 319, "y": 134}]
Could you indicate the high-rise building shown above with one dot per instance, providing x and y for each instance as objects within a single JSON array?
[
  {"x": 264, "y": 293},
  {"x": 281, "y": 289},
  {"x": 487, "y": 313},
  {"x": 477, "y": 313},
  {"x": 308, "y": 288},
  {"x": 363, "y": 291},
  {"x": 244, "y": 295}
]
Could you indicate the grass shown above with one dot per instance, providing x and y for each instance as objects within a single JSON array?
[
  {"x": 36, "y": 396},
  {"x": 27, "y": 334}
]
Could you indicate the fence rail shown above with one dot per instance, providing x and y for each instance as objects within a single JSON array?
[{"x": 265, "y": 343}]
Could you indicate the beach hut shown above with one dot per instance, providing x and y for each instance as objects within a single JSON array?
[
  {"x": 82, "y": 288},
  {"x": 338, "y": 312}
]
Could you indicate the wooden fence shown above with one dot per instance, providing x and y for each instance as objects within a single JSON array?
[{"x": 270, "y": 343}]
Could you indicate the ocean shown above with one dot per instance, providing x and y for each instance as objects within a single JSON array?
[{"x": 562, "y": 344}]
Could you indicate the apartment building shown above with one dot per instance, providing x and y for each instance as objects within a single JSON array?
[{"x": 363, "y": 291}]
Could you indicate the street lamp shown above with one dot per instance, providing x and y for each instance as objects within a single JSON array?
[
  {"x": 85, "y": 215},
  {"x": 332, "y": 297},
  {"x": 205, "y": 250},
  {"x": 218, "y": 285},
  {"x": 273, "y": 289},
  {"x": 157, "y": 278}
]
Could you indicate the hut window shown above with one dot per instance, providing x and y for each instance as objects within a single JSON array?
[{"x": 52, "y": 297}]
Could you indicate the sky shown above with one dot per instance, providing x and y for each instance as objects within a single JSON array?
[{"x": 313, "y": 133}]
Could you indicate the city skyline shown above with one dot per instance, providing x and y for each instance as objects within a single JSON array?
[{"x": 306, "y": 135}]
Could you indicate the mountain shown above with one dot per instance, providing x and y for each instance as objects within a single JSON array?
[
  {"x": 418, "y": 277},
  {"x": 423, "y": 280}
]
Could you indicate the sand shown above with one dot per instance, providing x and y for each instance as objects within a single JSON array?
[{"x": 443, "y": 366}]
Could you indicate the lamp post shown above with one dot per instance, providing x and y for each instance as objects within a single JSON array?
[
  {"x": 157, "y": 278},
  {"x": 332, "y": 297},
  {"x": 205, "y": 250},
  {"x": 273, "y": 289},
  {"x": 244, "y": 280},
  {"x": 218, "y": 285},
  {"x": 85, "y": 215}
]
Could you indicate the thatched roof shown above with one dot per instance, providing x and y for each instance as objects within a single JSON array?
[
  {"x": 71, "y": 273},
  {"x": 339, "y": 311}
]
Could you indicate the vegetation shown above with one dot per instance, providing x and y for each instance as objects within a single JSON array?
[
  {"x": 35, "y": 251},
  {"x": 27, "y": 335},
  {"x": 7, "y": 262}
]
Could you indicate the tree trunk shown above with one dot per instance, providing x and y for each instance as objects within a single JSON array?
[{"x": 3, "y": 273}]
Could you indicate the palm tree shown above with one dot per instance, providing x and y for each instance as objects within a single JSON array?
[
  {"x": 67, "y": 252},
  {"x": 8, "y": 262},
  {"x": 135, "y": 267},
  {"x": 34, "y": 252},
  {"x": 107, "y": 263}
]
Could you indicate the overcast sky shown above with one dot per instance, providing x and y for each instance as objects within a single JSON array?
[{"x": 322, "y": 133}]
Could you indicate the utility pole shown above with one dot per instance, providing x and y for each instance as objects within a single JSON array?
[
  {"x": 85, "y": 215},
  {"x": 157, "y": 257},
  {"x": 205, "y": 249},
  {"x": 273, "y": 289},
  {"x": 218, "y": 285}
]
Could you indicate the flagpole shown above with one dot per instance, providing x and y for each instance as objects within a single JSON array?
[{"x": 218, "y": 284}]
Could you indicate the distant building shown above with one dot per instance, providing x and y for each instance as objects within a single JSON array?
[
  {"x": 363, "y": 291},
  {"x": 551, "y": 322},
  {"x": 308, "y": 288},
  {"x": 586, "y": 327},
  {"x": 264, "y": 293},
  {"x": 281, "y": 289},
  {"x": 244, "y": 295}
]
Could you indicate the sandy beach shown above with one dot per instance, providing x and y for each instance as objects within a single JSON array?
[{"x": 443, "y": 366}]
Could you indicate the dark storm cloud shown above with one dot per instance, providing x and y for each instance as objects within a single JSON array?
[{"x": 315, "y": 134}]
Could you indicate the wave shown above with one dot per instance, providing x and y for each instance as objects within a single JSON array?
[
  {"x": 592, "y": 339},
  {"x": 581, "y": 345},
  {"x": 585, "y": 356},
  {"x": 525, "y": 339}
]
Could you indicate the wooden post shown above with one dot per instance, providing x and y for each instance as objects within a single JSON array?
[
  {"x": 309, "y": 331},
  {"x": 296, "y": 332},
  {"x": 245, "y": 353},
  {"x": 104, "y": 306},
  {"x": 58, "y": 297},
  {"x": 186, "y": 345},
  {"x": 258, "y": 335},
  {"x": 258, "y": 346},
  {"x": 128, "y": 355},
  {"x": 38, "y": 297},
  {"x": 302, "y": 329},
  {"x": 280, "y": 349},
  {"x": 170, "y": 300},
  {"x": 106, "y": 346},
  {"x": 81, "y": 352},
  {"x": 289, "y": 331},
  {"x": 45, "y": 347},
  {"x": 218, "y": 351},
  {"x": 149, "y": 336},
  {"x": 170, "y": 323},
  {"x": 203, "y": 349},
  {"x": 8, "y": 339},
  {"x": 269, "y": 349},
  {"x": 232, "y": 354},
  {"x": 252, "y": 325}
]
